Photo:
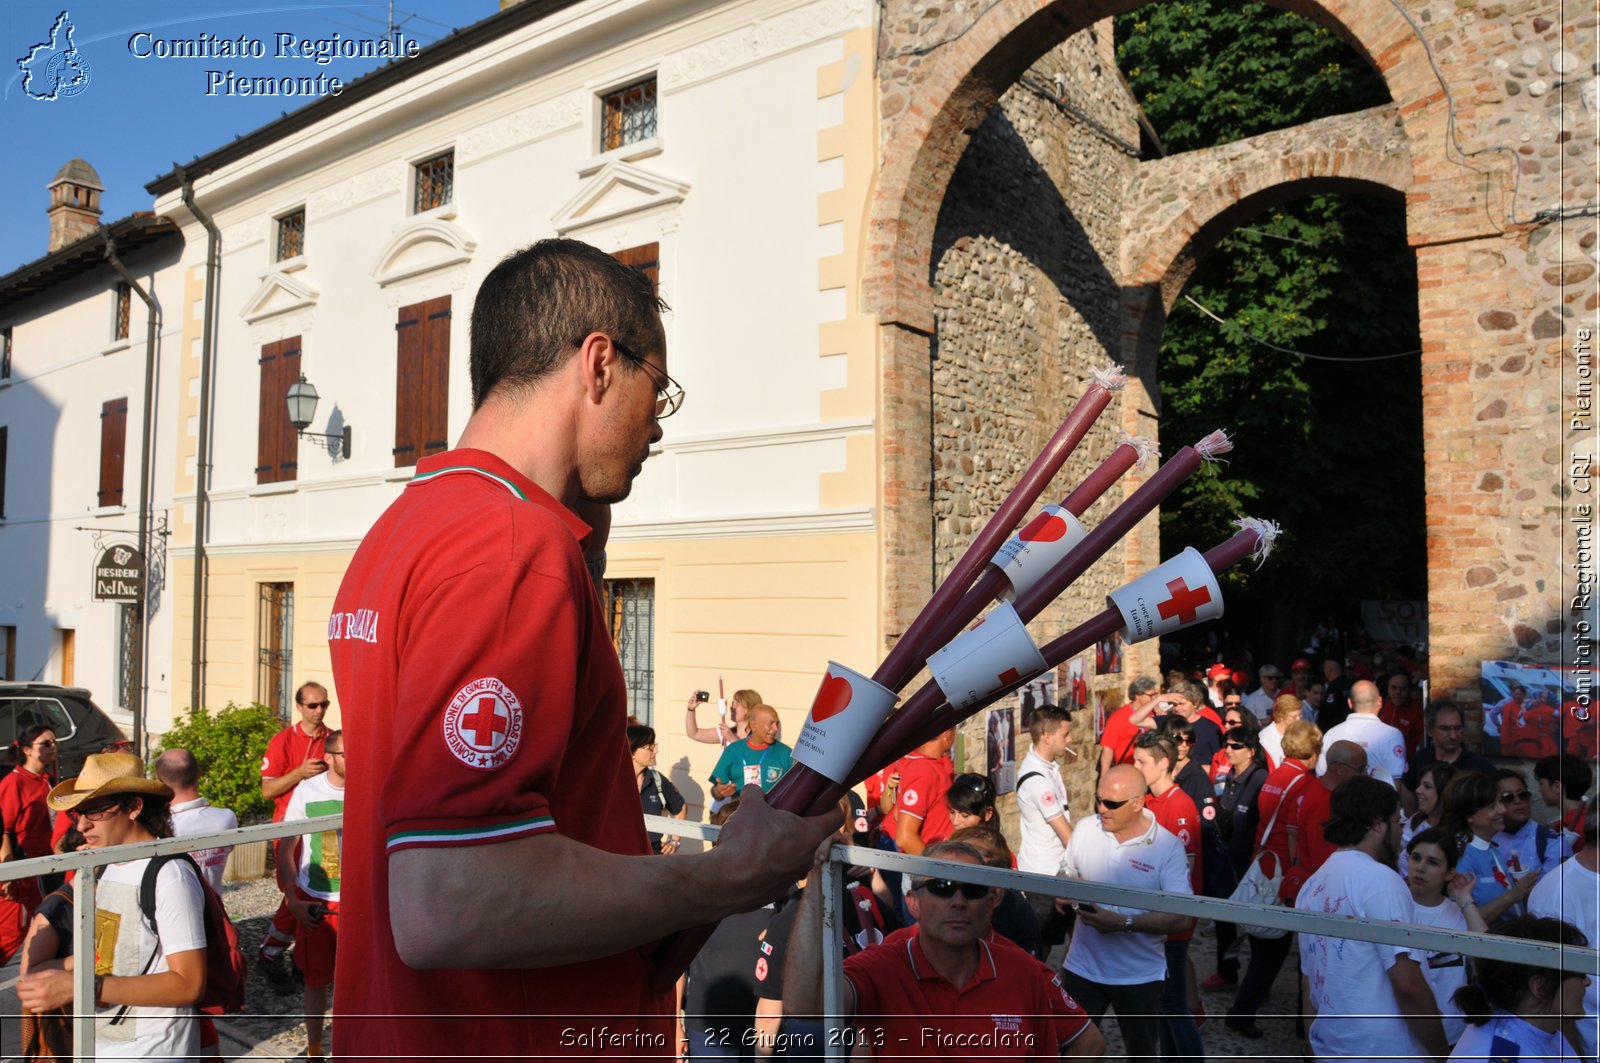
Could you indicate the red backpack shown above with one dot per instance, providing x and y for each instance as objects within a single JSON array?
[{"x": 226, "y": 971}]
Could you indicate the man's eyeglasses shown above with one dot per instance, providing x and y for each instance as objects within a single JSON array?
[
  {"x": 669, "y": 393},
  {"x": 944, "y": 887},
  {"x": 1110, "y": 805},
  {"x": 99, "y": 812},
  {"x": 1520, "y": 795},
  {"x": 315, "y": 704}
]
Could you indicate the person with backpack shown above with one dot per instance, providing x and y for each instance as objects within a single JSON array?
[
  {"x": 310, "y": 884},
  {"x": 1528, "y": 844},
  {"x": 150, "y": 972}
]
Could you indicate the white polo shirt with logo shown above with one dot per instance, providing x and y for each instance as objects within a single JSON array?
[
  {"x": 1041, "y": 797},
  {"x": 1385, "y": 746},
  {"x": 1155, "y": 859}
]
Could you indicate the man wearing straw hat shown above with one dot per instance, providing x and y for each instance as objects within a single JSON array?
[{"x": 147, "y": 978}]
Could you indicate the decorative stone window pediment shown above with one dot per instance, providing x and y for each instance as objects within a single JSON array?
[
  {"x": 279, "y": 293},
  {"x": 616, "y": 189},
  {"x": 424, "y": 244}
]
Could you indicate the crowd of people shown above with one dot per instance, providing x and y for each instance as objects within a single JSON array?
[{"x": 1351, "y": 798}]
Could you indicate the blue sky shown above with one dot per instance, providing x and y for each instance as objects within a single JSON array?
[{"x": 134, "y": 117}]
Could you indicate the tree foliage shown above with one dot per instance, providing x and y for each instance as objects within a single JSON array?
[
  {"x": 1331, "y": 449},
  {"x": 229, "y": 747}
]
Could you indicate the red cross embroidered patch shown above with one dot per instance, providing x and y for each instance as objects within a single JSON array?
[{"x": 483, "y": 724}]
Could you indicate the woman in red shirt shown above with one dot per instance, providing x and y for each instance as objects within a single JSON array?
[{"x": 25, "y": 829}]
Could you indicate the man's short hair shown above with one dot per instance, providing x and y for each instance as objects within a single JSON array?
[
  {"x": 1430, "y": 715},
  {"x": 944, "y": 850},
  {"x": 1355, "y": 806},
  {"x": 1269, "y": 671},
  {"x": 1160, "y": 746},
  {"x": 299, "y": 694},
  {"x": 1142, "y": 685},
  {"x": 178, "y": 769},
  {"x": 1302, "y": 740},
  {"x": 1508, "y": 773},
  {"x": 1046, "y": 718},
  {"x": 1573, "y": 774},
  {"x": 539, "y": 303}
]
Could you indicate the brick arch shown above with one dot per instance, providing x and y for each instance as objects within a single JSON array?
[
  {"x": 1182, "y": 205},
  {"x": 932, "y": 103}
]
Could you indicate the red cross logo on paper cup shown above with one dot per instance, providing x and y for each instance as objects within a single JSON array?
[
  {"x": 1033, "y": 551},
  {"x": 994, "y": 653},
  {"x": 483, "y": 724},
  {"x": 845, "y": 714},
  {"x": 1175, "y": 594}
]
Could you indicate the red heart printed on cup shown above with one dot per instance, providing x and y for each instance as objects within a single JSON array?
[
  {"x": 833, "y": 696},
  {"x": 1045, "y": 528}
]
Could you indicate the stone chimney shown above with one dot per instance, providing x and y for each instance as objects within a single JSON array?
[{"x": 74, "y": 203}]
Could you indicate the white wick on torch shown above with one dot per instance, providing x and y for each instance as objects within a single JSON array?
[
  {"x": 1111, "y": 378},
  {"x": 1213, "y": 445},
  {"x": 1144, "y": 446},
  {"x": 1267, "y": 533}
]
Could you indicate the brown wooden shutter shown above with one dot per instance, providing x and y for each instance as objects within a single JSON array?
[
  {"x": 411, "y": 341},
  {"x": 277, "y": 443},
  {"x": 113, "y": 442},
  {"x": 434, "y": 401},
  {"x": 646, "y": 258}
]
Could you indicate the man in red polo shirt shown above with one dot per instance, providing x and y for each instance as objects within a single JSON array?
[
  {"x": 1401, "y": 710},
  {"x": 1308, "y": 846},
  {"x": 293, "y": 755},
  {"x": 946, "y": 991},
  {"x": 921, "y": 812},
  {"x": 497, "y": 894}
]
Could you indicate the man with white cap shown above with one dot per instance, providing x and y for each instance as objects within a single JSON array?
[{"x": 156, "y": 973}]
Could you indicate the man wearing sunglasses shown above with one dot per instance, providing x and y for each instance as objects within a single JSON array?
[
  {"x": 1525, "y": 843},
  {"x": 498, "y": 871},
  {"x": 293, "y": 755},
  {"x": 1117, "y": 958},
  {"x": 947, "y": 988}
]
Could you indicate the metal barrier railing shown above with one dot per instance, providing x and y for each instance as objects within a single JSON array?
[
  {"x": 87, "y": 863},
  {"x": 1534, "y": 953}
]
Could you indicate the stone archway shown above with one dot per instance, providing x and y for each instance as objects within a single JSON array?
[{"x": 1483, "y": 280}]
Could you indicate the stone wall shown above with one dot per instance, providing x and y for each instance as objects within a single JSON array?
[{"x": 1027, "y": 306}]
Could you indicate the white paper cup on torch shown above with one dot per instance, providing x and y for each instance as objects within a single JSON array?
[
  {"x": 845, "y": 715},
  {"x": 995, "y": 653},
  {"x": 1177, "y": 593},
  {"x": 1029, "y": 555}
]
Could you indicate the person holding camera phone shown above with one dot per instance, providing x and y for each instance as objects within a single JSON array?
[
  {"x": 733, "y": 717},
  {"x": 293, "y": 755},
  {"x": 311, "y": 891}
]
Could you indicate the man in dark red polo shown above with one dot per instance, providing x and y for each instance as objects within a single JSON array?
[
  {"x": 293, "y": 755},
  {"x": 498, "y": 896}
]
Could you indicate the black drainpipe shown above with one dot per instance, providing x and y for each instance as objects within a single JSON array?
[
  {"x": 140, "y": 687},
  {"x": 202, "y": 457}
]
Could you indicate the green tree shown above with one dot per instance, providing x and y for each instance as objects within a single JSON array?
[
  {"x": 1330, "y": 448},
  {"x": 229, "y": 746}
]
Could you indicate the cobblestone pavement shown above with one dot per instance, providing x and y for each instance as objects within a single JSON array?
[{"x": 272, "y": 1028}]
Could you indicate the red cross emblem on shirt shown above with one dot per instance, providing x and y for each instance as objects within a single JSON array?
[
  {"x": 1185, "y": 603},
  {"x": 484, "y": 723}
]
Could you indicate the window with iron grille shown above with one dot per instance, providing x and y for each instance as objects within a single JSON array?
[
  {"x": 292, "y": 235},
  {"x": 275, "y": 647},
  {"x": 122, "y": 312},
  {"x": 628, "y": 115},
  {"x": 435, "y": 182},
  {"x": 631, "y": 619},
  {"x": 127, "y": 647}
]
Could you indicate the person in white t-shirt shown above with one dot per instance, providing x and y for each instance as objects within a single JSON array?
[
  {"x": 1515, "y": 1013},
  {"x": 312, "y": 890},
  {"x": 1366, "y": 1001},
  {"x": 1117, "y": 958},
  {"x": 1571, "y": 893},
  {"x": 154, "y": 975},
  {"x": 193, "y": 814},
  {"x": 1385, "y": 745},
  {"x": 1042, "y": 812},
  {"x": 1431, "y": 875}
]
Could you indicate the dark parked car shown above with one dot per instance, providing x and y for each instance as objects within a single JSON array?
[{"x": 81, "y": 728}]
